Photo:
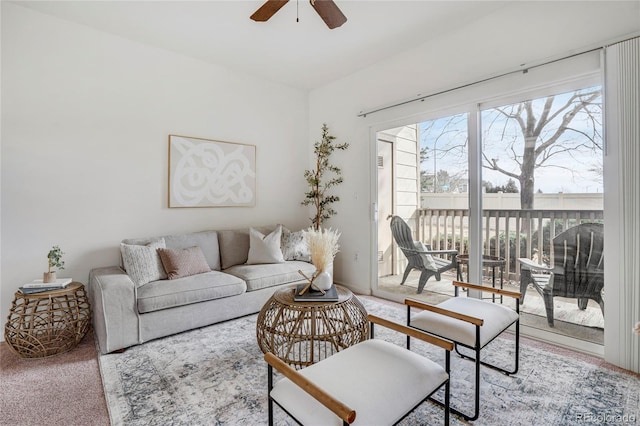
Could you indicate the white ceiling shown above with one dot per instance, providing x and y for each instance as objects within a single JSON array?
[{"x": 304, "y": 54}]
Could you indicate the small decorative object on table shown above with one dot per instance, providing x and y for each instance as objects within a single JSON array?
[
  {"x": 323, "y": 246},
  {"x": 39, "y": 286},
  {"x": 54, "y": 260}
]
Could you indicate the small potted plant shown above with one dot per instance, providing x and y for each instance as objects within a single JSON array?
[{"x": 54, "y": 258}]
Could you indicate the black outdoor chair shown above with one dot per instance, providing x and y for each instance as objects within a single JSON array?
[
  {"x": 577, "y": 271},
  {"x": 420, "y": 256}
]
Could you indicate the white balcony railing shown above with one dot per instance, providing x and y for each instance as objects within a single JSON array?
[{"x": 509, "y": 234}]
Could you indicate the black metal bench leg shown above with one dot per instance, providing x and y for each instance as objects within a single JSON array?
[
  {"x": 495, "y": 367},
  {"x": 476, "y": 409},
  {"x": 447, "y": 389},
  {"x": 447, "y": 400},
  {"x": 269, "y": 387}
]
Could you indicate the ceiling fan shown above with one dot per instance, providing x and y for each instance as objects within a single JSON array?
[{"x": 327, "y": 9}]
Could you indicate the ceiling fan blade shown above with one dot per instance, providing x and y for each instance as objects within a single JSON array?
[
  {"x": 329, "y": 12},
  {"x": 268, "y": 9}
]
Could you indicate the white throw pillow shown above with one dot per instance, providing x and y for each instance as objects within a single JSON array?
[
  {"x": 427, "y": 259},
  {"x": 265, "y": 249},
  {"x": 142, "y": 263}
]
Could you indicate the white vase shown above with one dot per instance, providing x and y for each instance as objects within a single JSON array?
[
  {"x": 323, "y": 281},
  {"x": 329, "y": 270}
]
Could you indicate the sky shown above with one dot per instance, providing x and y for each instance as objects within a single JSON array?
[{"x": 568, "y": 171}]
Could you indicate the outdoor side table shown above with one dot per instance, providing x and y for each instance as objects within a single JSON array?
[
  {"x": 302, "y": 333},
  {"x": 48, "y": 323},
  {"x": 492, "y": 262}
]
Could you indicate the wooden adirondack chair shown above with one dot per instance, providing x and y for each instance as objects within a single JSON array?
[{"x": 577, "y": 271}]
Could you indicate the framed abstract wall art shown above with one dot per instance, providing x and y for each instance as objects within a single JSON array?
[{"x": 210, "y": 173}]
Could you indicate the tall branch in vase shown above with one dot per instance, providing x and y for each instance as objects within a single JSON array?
[{"x": 324, "y": 177}]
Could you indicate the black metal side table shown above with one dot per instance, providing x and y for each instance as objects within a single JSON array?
[{"x": 489, "y": 261}]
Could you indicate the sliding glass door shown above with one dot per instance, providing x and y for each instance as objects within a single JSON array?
[
  {"x": 534, "y": 164},
  {"x": 542, "y": 177},
  {"x": 422, "y": 176}
]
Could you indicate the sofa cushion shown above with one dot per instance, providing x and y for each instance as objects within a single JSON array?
[
  {"x": 183, "y": 262},
  {"x": 165, "y": 294},
  {"x": 142, "y": 262},
  {"x": 265, "y": 248},
  {"x": 234, "y": 245},
  {"x": 269, "y": 275},
  {"x": 206, "y": 240}
]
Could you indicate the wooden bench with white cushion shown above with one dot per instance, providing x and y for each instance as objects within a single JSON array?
[
  {"x": 469, "y": 322},
  {"x": 372, "y": 382}
]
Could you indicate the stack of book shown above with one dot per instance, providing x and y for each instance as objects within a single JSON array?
[
  {"x": 37, "y": 286},
  {"x": 311, "y": 295}
]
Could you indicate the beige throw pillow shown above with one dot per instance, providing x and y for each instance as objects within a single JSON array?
[
  {"x": 265, "y": 248},
  {"x": 142, "y": 263},
  {"x": 180, "y": 263}
]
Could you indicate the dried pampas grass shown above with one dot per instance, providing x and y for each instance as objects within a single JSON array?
[{"x": 323, "y": 246}]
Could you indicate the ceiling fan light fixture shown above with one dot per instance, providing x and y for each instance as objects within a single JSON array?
[
  {"x": 267, "y": 10},
  {"x": 327, "y": 9}
]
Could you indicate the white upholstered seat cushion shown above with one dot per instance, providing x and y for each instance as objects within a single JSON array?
[
  {"x": 496, "y": 319},
  {"x": 379, "y": 380}
]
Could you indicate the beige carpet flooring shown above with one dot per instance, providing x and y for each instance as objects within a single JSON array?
[{"x": 64, "y": 389}]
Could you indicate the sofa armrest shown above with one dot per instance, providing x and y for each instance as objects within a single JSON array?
[{"x": 115, "y": 313}]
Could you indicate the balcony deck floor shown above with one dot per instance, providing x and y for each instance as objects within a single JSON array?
[{"x": 587, "y": 325}]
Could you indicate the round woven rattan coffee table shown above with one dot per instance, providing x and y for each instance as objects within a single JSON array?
[
  {"x": 302, "y": 333},
  {"x": 48, "y": 323}
]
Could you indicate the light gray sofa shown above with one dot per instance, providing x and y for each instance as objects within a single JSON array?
[{"x": 127, "y": 314}]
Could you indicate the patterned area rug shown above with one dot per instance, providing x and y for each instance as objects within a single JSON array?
[{"x": 216, "y": 376}]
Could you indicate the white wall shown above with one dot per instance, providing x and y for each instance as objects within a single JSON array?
[
  {"x": 523, "y": 33},
  {"x": 85, "y": 120}
]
